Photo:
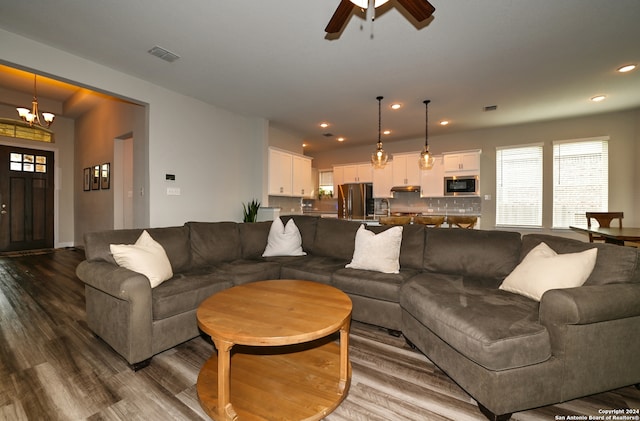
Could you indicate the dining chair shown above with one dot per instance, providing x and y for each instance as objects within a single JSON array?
[
  {"x": 395, "y": 220},
  {"x": 604, "y": 220},
  {"x": 430, "y": 221},
  {"x": 468, "y": 222}
]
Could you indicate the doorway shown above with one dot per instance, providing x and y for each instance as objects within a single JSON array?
[
  {"x": 122, "y": 179},
  {"x": 26, "y": 198}
]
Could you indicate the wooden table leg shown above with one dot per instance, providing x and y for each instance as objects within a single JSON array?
[
  {"x": 225, "y": 409},
  {"x": 344, "y": 356}
]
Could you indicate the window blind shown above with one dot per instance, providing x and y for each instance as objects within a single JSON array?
[
  {"x": 519, "y": 186},
  {"x": 580, "y": 180}
]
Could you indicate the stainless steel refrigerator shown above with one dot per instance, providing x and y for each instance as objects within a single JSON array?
[{"x": 355, "y": 201}]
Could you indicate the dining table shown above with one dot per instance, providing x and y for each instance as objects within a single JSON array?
[{"x": 612, "y": 235}]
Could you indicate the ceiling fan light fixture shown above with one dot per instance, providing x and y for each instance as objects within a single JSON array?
[
  {"x": 363, "y": 4},
  {"x": 426, "y": 160},
  {"x": 379, "y": 158}
]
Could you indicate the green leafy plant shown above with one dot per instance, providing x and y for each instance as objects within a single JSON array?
[{"x": 250, "y": 211}]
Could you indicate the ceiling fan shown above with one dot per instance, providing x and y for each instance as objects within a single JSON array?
[{"x": 419, "y": 9}]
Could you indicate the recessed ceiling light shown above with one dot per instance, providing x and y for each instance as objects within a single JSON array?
[
  {"x": 324, "y": 125},
  {"x": 387, "y": 132},
  {"x": 304, "y": 145},
  {"x": 396, "y": 106},
  {"x": 627, "y": 68},
  {"x": 340, "y": 139},
  {"x": 444, "y": 122},
  {"x": 598, "y": 98}
]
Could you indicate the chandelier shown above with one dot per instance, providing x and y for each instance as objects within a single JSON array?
[
  {"x": 426, "y": 159},
  {"x": 379, "y": 158},
  {"x": 32, "y": 116}
]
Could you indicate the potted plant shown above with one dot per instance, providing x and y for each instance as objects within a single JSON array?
[{"x": 250, "y": 211}]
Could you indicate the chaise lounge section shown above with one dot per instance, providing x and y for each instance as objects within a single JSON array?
[{"x": 508, "y": 351}]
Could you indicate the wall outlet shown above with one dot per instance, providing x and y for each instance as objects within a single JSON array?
[
  {"x": 487, "y": 197},
  {"x": 173, "y": 191}
]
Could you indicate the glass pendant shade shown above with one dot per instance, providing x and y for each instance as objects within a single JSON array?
[
  {"x": 426, "y": 159},
  {"x": 379, "y": 158},
  {"x": 425, "y": 162}
]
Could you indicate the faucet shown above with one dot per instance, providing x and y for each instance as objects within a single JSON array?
[{"x": 385, "y": 200}]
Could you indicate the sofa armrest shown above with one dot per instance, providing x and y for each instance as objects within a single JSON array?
[
  {"x": 119, "y": 308},
  {"x": 114, "y": 280},
  {"x": 590, "y": 304}
]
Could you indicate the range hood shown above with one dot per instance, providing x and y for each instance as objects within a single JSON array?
[{"x": 408, "y": 189}]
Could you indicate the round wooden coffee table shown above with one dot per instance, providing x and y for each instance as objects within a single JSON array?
[{"x": 286, "y": 362}]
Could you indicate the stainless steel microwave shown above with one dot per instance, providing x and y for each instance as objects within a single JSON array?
[{"x": 461, "y": 186}]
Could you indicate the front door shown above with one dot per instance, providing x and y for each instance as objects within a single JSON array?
[{"x": 26, "y": 198}]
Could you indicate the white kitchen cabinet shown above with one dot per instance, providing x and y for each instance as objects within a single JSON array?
[
  {"x": 289, "y": 174},
  {"x": 383, "y": 181},
  {"x": 356, "y": 173},
  {"x": 432, "y": 181},
  {"x": 406, "y": 171},
  {"x": 467, "y": 162},
  {"x": 302, "y": 180}
]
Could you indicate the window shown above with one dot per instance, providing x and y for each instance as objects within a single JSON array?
[
  {"x": 519, "y": 186},
  {"x": 326, "y": 183},
  {"x": 580, "y": 180},
  {"x": 27, "y": 163}
]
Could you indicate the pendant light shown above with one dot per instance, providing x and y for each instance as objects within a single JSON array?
[
  {"x": 379, "y": 158},
  {"x": 33, "y": 116},
  {"x": 426, "y": 159}
]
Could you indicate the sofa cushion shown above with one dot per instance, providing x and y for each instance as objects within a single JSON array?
[
  {"x": 493, "y": 328},
  {"x": 614, "y": 264},
  {"x": 472, "y": 253},
  {"x": 253, "y": 238},
  {"x": 335, "y": 238},
  {"x": 146, "y": 256},
  {"x": 185, "y": 291},
  {"x": 377, "y": 252},
  {"x": 412, "y": 247},
  {"x": 366, "y": 283},
  {"x": 243, "y": 271},
  {"x": 174, "y": 240},
  {"x": 284, "y": 240},
  {"x": 214, "y": 242},
  {"x": 309, "y": 268},
  {"x": 544, "y": 269}
]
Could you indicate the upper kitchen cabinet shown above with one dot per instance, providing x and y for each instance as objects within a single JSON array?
[
  {"x": 355, "y": 173},
  {"x": 467, "y": 162},
  {"x": 432, "y": 181},
  {"x": 289, "y": 174},
  {"x": 383, "y": 181},
  {"x": 302, "y": 177},
  {"x": 406, "y": 171}
]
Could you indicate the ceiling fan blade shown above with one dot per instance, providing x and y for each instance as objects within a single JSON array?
[
  {"x": 339, "y": 17},
  {"x": 419, "y": 9}
]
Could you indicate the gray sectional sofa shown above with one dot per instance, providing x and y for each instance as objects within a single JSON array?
[{"x": 509, "y": 352}]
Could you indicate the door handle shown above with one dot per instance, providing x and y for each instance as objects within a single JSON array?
[{"x": 4, "y": 209}]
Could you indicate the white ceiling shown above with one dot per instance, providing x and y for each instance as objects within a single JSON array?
[{"x": 535, "y": 60}]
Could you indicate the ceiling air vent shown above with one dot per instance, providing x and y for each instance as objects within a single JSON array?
[
  {"x": 490, "y": 108},
  {"x": 327, "y": 134},
  {"x": 164, "y": 54}
]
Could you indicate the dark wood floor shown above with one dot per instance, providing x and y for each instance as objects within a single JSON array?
[{"x": 53, "y": 368}]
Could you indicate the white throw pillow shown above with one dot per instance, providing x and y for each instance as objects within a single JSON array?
[
  {"x": 146, "y": 256},
  {"x": 543, "y": 269},
  {"x": 284, "y": 240},
  {"x": 378, "y": 252}
]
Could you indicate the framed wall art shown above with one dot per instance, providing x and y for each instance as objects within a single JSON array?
[
  {"x": 86, "y": 179},
  {"x": 95, "y": 182},
  {"x": 105, "y": 176}
]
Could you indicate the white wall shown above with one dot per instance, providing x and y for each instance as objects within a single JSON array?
[
  {"x": 623, "y": 129},
  {"x": 217, "y": 156}
]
